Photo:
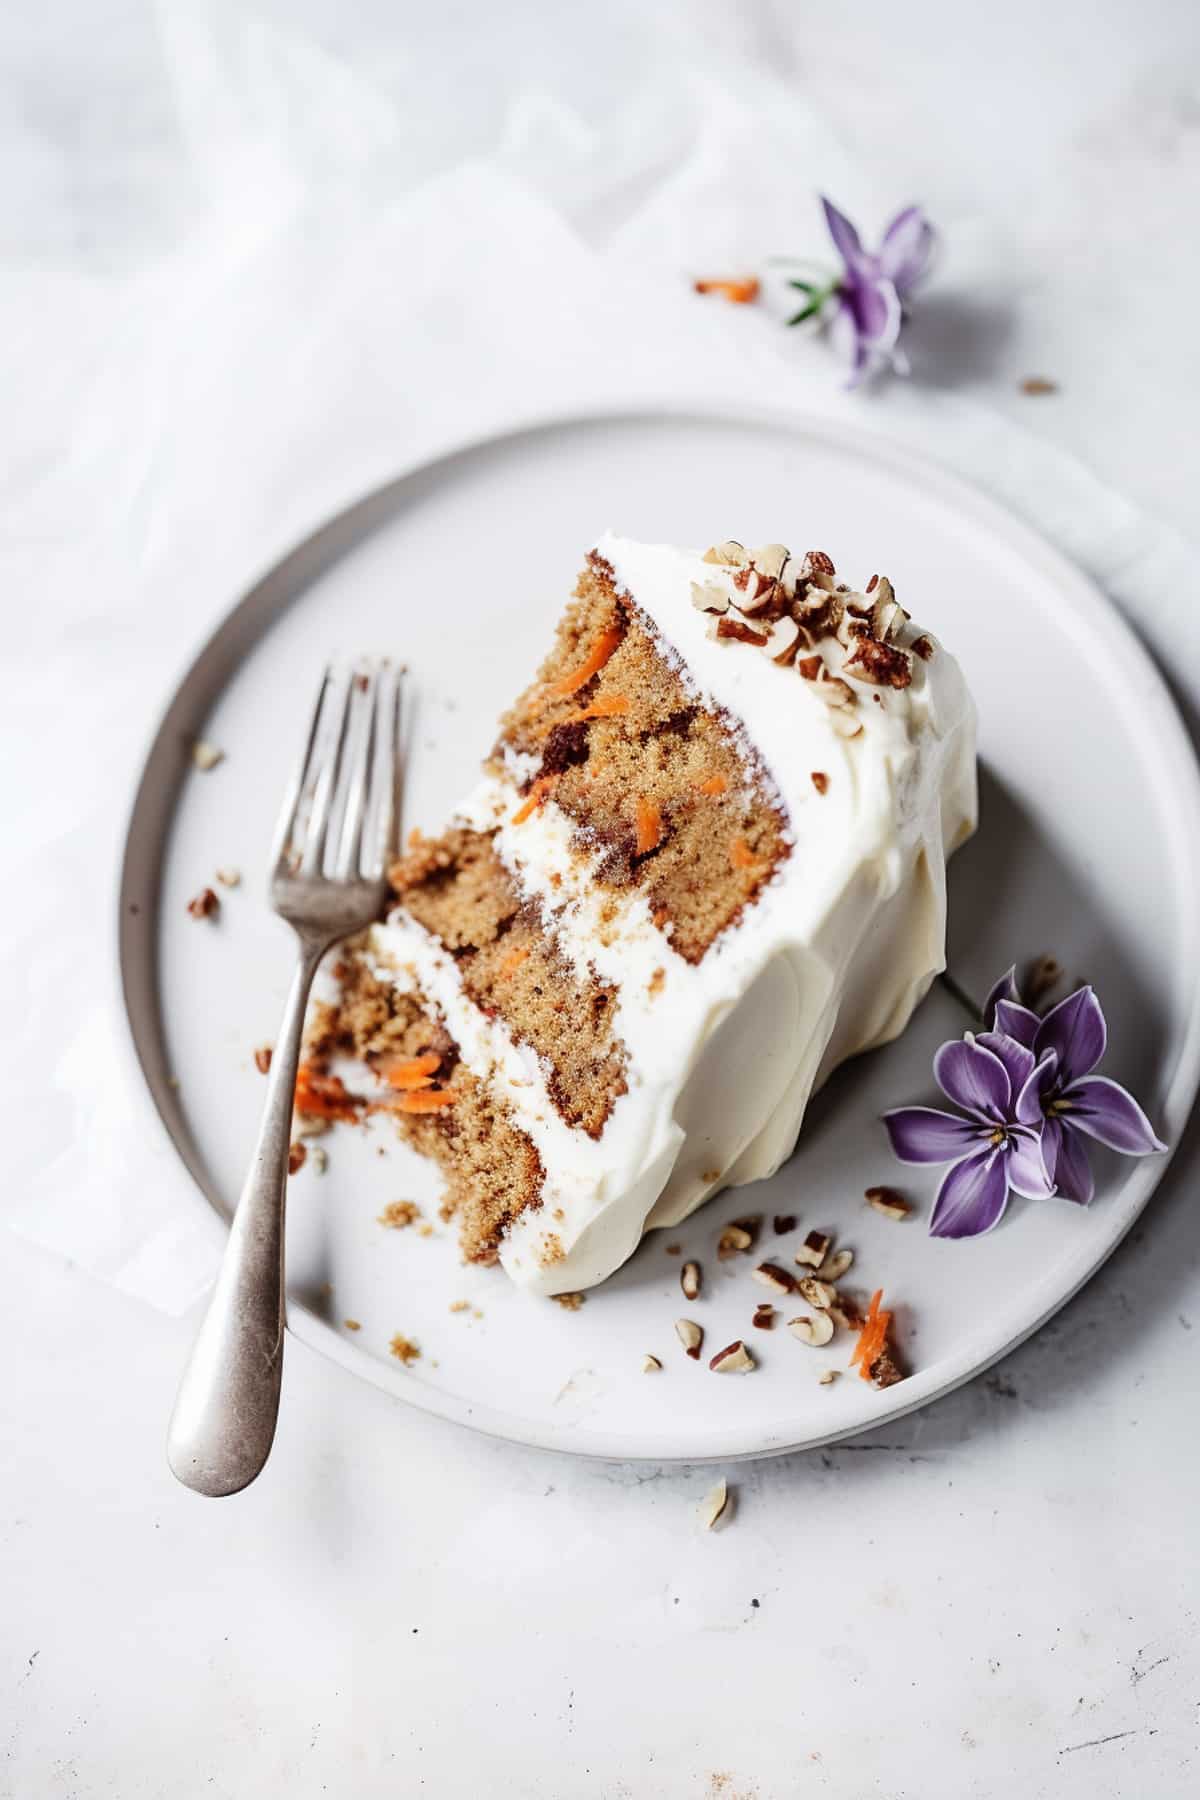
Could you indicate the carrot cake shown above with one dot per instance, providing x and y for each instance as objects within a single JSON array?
[{"x": 705, "y": 864}]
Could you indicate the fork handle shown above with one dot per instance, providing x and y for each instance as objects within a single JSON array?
[{"x": 223, "y": 1424}]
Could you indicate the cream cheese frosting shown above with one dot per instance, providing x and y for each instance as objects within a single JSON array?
[{"x": 831, "y": 959}]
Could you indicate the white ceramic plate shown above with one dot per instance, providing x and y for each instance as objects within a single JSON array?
[{"x": 1089, "y": 847}]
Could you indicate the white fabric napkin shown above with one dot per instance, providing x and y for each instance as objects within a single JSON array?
[{"x": 340, "y": 301}]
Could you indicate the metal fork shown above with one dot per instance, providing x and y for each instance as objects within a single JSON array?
[{"x": 336, "y": 833}]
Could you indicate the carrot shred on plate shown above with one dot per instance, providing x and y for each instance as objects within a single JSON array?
[
  {"x": 872, "y": 1339},
  {"x": 535, "y": 798},
  {"x": 740, "y": 292},
  {"x": 649, "y": 827},
  {"x": 321, "y": 1096},
  {"x": 417, "y": 1073},
  {"x": 713, "y": 785},
  {"x": 426, "y": 1100}
]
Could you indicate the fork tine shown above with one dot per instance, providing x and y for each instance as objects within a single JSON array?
[
  {"x": 351, "y": 798},
  {"x": 286, "y": 825},
  {"x": 327, "y": 776},
  {"x": 379, "y": 826}
]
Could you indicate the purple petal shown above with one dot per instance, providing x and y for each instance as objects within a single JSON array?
[
  {"x": 974, "y": 1078},
  {"x": 1015, "y": 1057},
  {"x": 1106, "y": 1112},
  {"x": 844, "y": 235},
  {"x": 1065, "y": 1156},
  {"x": 1016, "y": 1021},
  {"x": 877, "y": 313},
  {"x": 1027, "y": 1172},
  {"x": 922, "y": 1134},
  {"x": 1004, "y": 989},
  {"x": 972, "y": 1197},
  {"x": 1076, "y": 1029},
  {"x": 1031, "y": 1101},
  {"x": 844, "y": 335},
  {"x": 906, "y": 249}
]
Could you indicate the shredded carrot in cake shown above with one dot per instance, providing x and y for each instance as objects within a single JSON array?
[
  {"x": 513, "y": 961},
  {"x": 649, "y": 827},
  {"x": 605, "y": 706},
  {"x": 597, "y": 656},
  {"x": 872, "y": 1339},
  {"x": 740, "y": 292},
  {"x": 427, "y": 1100},
  {"x": 534, "y": 799},
  {"x": 418, "y": 1073},
  {"x": 321, "y": 1096},
  {"x": 740, "y": 854},
  {"x": 714, "y": 785},
  {"x": 659, "y": 917}
]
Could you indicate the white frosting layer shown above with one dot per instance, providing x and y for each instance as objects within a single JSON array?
[{"x": 831, "y": 960}]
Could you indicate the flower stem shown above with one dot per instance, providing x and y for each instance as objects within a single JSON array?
[{"x": 960, "y": 994}]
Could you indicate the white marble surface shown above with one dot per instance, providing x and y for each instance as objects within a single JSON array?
[{"x": 997, "y": 1596}]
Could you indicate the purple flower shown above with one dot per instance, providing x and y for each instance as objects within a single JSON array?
[
  {"x": 871, "y": 292},
  {"x": 997, "y": 1082},
  {"x": 1075, "y": 1103},
  {"x": 1028, "y": 1088}
]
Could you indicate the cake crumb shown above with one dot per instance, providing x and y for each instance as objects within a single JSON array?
[
  {"x": 204, "y": 905},
  {"x": 399, "y": 1213},
  {"x": 404, "y": 1349},
  {"x": 352, "y": 1324},
  {"x": 297, "y": 1156},
  {"x": 674, "y": 1249},
  {"x": 569, "y": 1302},
  {"x": 229, "y": 878},
  {"x": 820, "y": 781},
  {"x": 319, "y": 1159},
  {"x": 460, "y": 1306},
  {"x": 656, "y": 983},
  {"x": 425, "y": 1231},
  {"x": 262, "y": 1059},
  {"x": 1038, "y": 384}
]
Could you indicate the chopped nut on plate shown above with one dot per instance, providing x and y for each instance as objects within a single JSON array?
[
  {"x": 887, "y": 1201},
  {"x": 228, "y": 877},
  {"x": 205, "y": 905},
  {"x": 715, "y": 1506},
  {"x": 650, "y": 1365},
  {"x": 205, "y": 756},
  {"x": 816, "y": 1330},
  {"x": 739, "y": 1236},
  {"x": 690, "y": 1279},
  {"x": 691, "y": 1336},
  {"x": 817, "y": 1293},
  {"x": 770, "y": 1275},
  {"x": 764, "y": 1316},
  {"x": 827, "y": 1377},
  {"x": 783, "y": 1223},
  {"x": 814, "y": 1249},
  {"x": 319, "y": 1159},
  {"x": 835, "y": 1266},
  {"x": 734, "y": 1359}
]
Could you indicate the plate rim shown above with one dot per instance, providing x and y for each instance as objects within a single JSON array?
[{"x": 351, "y": 521}]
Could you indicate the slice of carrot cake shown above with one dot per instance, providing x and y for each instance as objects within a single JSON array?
[{"x": 706, "y": 863}]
